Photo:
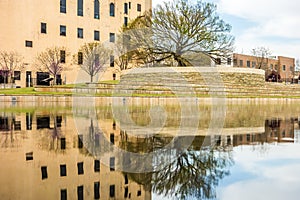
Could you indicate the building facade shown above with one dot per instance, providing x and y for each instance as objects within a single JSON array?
[
  {"x": 278, "y": 68},
  {"x": 29, "y": 27}
]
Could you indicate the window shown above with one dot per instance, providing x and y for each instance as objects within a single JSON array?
[
  {"x": 80, "y": 62},
  {"x": 112, "y": 10},
  {"x": 28, "y": 43},
  {"x": 17, "y": 75},
  {"x": 248, "y": 63},
  {"x": 271, "y": 66},
  {"x": 63, "y": 170},
  {"x": 248, "y": 137},
  {"x": 235, "y": 62},
  {"x": 139, "y": 7},
  {"x": 253, "y": 64},
  {"x": 129, "y": 5},
  {"x": 97, "y": 166},
  {"x": 112, "y": 163},
  {"x": 80, "y": 168},
  {"x": 126, "y": 192},
  {"x": 96, "y": 190},
  {"x": 126, "y": 179},
  {"x": 112, "y": 37},
  {"x": 125, "y": 21},
  {"x": 241, "y": 63},
  {"x": 218, "y": 61},
  {"x": 63, "y": 30},
  {"x": 63, "y": 194},
  {"x": 63, "y": 56},
  {"x": 283, "y": 67},
  {"x": 63, "y": 6},
  {"x": 43, "y": 27},
  {"x": 114, "y": 125},
  {"x": 79, "y": 32},
  {"x": 44, "y": 172},
  {"x": 112, "y": 61},
  {"x": 229, "y": 61},
  {"x": 29, "y": 156},
  {"x": 80, "y": 192},
  {"x": 126, "y": 8},
  {"x": 80, "y": 138},
  {"x": 112, "y": 190},
  {"x": 42, "y": 121},
  {"x": 62, "y": 143},
  {"x": 79, "y": 7},
  {"x": 96, "y": 35},
  {"x": 17, "y": 125},
  {"x": 139, "y": 193},
  {"x": 96, "y": 9},
  {"x": 291, "y": 68},
  {"x": 112, "y": 138}
]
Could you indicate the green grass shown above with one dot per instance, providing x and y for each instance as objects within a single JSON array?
[
  {"x": 29, "y": 91},
  {"x": 20, "y": 91},
  {"x": 112, "y": 82}
]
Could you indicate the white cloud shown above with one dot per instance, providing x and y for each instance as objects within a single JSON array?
[
  {"x": 273, "y": 19},
  {"x": 275, "y": 174}
]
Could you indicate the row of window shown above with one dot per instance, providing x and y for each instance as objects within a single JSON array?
[
  {"x": 127, "y": 6},
  {"x": 63, "y": 32},
  {"x": 80, "y": 59},
  {"x": 253, "y": 65},
  {"x": 80, "y": 192},
  {"x": 63, "y": 168},
  {"x": 112, "y": 192}
]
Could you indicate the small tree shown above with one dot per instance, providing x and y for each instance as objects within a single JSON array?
[
  {"x": 124, "y": 56},
  {"x": 10, "y": 62},
  {"x": 52, "y": 60},
  {"x": 92, "y": 58},
  {"x": 262, "y": 57}
]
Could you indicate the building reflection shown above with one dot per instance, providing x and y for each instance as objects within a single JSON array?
[{"x": 44, "y": 158}]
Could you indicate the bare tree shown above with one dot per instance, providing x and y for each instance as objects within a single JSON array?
[
  {"x": 52, "y": 60},
  {"x": 92, "y": 58},
  {"x": 262, "y": 57},
  {"x": 10, "y": 62},
  {"x": 179, "y": 27}
]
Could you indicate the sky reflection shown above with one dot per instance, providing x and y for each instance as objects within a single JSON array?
[{"x": 272, "y": 174}]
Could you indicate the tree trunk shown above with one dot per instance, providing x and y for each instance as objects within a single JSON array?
[
  {"x": 92, "y": 78},
  {"x": 54, "y": 80}
]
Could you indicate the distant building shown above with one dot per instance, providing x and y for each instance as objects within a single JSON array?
[
  {"x": 30, "y": 26},
  {"x": 277, "y": 68}
]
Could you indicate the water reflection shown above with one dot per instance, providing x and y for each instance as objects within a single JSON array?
[{"x": 44, "y": 155}]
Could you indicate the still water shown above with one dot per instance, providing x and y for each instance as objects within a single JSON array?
[{"x": 145, "y": 150}]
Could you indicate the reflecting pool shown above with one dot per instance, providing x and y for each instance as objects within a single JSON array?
[{"x": 150, "y": 150}]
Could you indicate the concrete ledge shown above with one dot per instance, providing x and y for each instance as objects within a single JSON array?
[{"x": 195, "y": 69}]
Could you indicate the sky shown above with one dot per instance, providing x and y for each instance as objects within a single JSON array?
[{"x": 267, "y": 23}]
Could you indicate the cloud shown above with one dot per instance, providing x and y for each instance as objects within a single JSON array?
[
  {"x": 273, "y": 175},
  {"x": 269, "y": 23},
  {"x": 275, "y": 24}
]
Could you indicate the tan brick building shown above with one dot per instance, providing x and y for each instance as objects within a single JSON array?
[
  {"x": 30, "y": 26},
  {"x": 283, "y": 67}
]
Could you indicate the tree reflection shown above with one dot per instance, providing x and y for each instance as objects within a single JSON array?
[{"x": 193, "y": 174}]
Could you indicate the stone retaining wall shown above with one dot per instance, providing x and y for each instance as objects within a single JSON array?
[{"x": 183, "y": 81}]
